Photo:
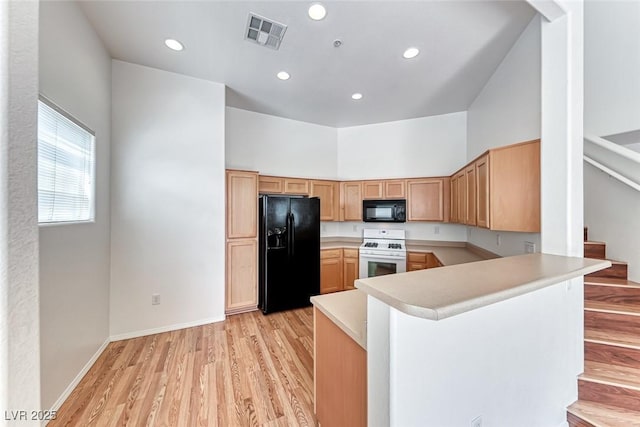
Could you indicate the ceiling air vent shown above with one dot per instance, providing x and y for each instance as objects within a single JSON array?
[{"x": 264, "y": 32}]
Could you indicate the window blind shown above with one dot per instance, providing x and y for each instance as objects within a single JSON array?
[{"x": 66, "y": 156}]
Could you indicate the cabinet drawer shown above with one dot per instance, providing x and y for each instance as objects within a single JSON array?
[
  {"x": 417, "y": 257},
  {"x": 350, "y": 253},
  {"x": 330, "y": 253},
  {"x": 413, "y": 266}
]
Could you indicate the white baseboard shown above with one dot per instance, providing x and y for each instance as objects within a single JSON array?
[
  {"x": 168, "y": 328},
  {"x": 65, "y": 394}
]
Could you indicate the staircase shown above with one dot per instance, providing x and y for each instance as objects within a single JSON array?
[{"x": 609, "y": 388}]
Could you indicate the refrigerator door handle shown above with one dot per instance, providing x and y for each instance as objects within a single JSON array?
[{"x": 292, "y": 233}]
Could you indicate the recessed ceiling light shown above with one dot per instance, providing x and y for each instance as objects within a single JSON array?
[
  {"x": 412, "y": 52},
  {"x": 173, "y": 44},
  {"x": 283, "y": 75},
  {"x": 356, "y": 96},
  {"x": 317, "y": 12}
]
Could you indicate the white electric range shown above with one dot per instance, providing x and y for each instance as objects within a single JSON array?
[{"x": 382, "y": 252}]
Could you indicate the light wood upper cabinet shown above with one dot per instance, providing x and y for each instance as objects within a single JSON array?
[
  {"x": 351, "y": 201},
  {"x": 426, "y": 199},
  {"x": 372, "y": 189},
  {"x": 395, "y": 189},
  {"x": 331, "y": 271},
  {"x": 241, "y": 275},
  {"x": 462, "y": 197},
  {"x": 296, "y": 186},
  {"x": 454, "y": 200},
  {"x": 242, "y": 204},
  {"x": 329, "y": 194},
  {"x": 270, "y": 184},
  {"x": 350, "y": 267},
  {"x": 470, "y": 178},
  {"x": 514, "y": 187},
  {"x": 482, "y": 191}
]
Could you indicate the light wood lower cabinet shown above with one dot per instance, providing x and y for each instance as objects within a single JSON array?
[
  {"x": 350, "y": 267},
  {"x": 331, "y": 271},
  {"x": 422, "y": 261},
  {"x": 241, "y": 275},
  {"x": 340, "y": 376}
]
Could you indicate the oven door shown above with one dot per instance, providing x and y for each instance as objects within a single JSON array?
[{"x": 373, "y": 265}]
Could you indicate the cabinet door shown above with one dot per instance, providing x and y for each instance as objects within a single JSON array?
[
  {"x": 351, "y": 201},
  {"x": 297, "y": 186},
  {"x": 395, "y": 189},
  {"x": 330, "y": 275},
  {"x": 482, "y": 191},
  {"x": 470, "y": 176},
  {"x": 425, "y": 199},
  {"x": 327, "y": 192},
  {"x": 372, "y": 189},
  {"x": 270, "y": 185},
  {"x": 242, "y": 275},
  {"x": 462, "y": 197},
  {"x": 350, "y": 269},
  {"x": 455, "y": 216},
  {"x": 242, "y": 204}
]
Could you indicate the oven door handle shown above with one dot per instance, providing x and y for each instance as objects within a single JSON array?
[{"x": 382, "y": 257}]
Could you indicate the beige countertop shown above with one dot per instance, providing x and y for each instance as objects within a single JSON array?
[
  {"x": 348, "y": 310},
  {"x": 438, "y": 293},
  {"x": 340, "y": 242}
]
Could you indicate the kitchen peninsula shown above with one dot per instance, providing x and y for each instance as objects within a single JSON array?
[{"x": 442, "y": 344}]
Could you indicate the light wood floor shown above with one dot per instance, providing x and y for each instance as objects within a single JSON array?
[{"x": 250, "y": 370}]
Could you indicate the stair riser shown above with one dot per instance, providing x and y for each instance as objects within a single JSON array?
[
  {"x": 612, "y": 355},
  {"x": 613, "y": 294},
  {"x": 577, "y": 421},
  {"x": 595, "y": 250},
  {"x": 616, "y": 271},
  {"x": 612, "y": 322},
  {"x": 609, "y": 395}
]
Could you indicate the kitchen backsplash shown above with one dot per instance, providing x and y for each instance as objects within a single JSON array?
[{"x": 417, "y": 231}]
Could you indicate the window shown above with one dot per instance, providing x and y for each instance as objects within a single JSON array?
[{"x": 66, "y": 157}]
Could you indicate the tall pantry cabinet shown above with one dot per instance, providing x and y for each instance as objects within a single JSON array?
[{"x": 241, "y": 288}]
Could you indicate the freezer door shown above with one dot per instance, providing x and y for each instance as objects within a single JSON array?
[
  {"x": 274, "y": 253},
  {"x": 304, "y": 251}
]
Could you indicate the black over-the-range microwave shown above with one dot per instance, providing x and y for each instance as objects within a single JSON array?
[{"x": 384, "y": 210}]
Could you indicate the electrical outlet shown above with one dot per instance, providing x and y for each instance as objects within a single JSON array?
[
  {"x": 155, "y": 299},
  {"x": 436, "y": 229},
  {"x": 476, "y": 422},
  {"x": 529, "y": 247},
  {"x": 498, "y": 239}
]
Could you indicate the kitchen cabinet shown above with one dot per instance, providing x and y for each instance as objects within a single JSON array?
[
  {"x": 331, "y": 279},
  {"x": 422, "y": 261},
  {"x": 283, "y": 185},
  {"x": 482, "y": 191},
  {"x": 329, "y": 194},
  {"x": 241, "y": 266},
  {"x": 242, "y": 204},
  {"x": 428, "y": 199},
  {"x": 372, "y": 189},
  {"x": 462, "y": 197},
  {"x": 350, "y": 267},
  {"x": 270, "y": 185},
  {"x": 351, "y": 201},
  {"x": 241, "y": 275},
  {"x": 384, "y": 189},
  {"x": 340, "y": 375},
  {"x": 470, "y": 205},
  {"x": 455, "y": 215}
]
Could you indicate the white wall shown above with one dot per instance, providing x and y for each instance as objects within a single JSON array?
[
  {"x": 507, "y": 362},
  {"x": 506, "y": 111},
  {"x": 75, "y": 73},
  {"x": 276, "y": 146},
  {"x": 611, "y": 67},
  {"x": 167, "y": 200},
  {"x": 427, "y": 146},
  {"x": 612, "y": 213},
  {"x": 19, "y": 295}
]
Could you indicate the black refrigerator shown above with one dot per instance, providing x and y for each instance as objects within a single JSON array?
[{"x": 289, "y": 252}]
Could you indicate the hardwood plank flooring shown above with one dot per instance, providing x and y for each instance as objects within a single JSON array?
[{"x": 250, "y": 370}]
